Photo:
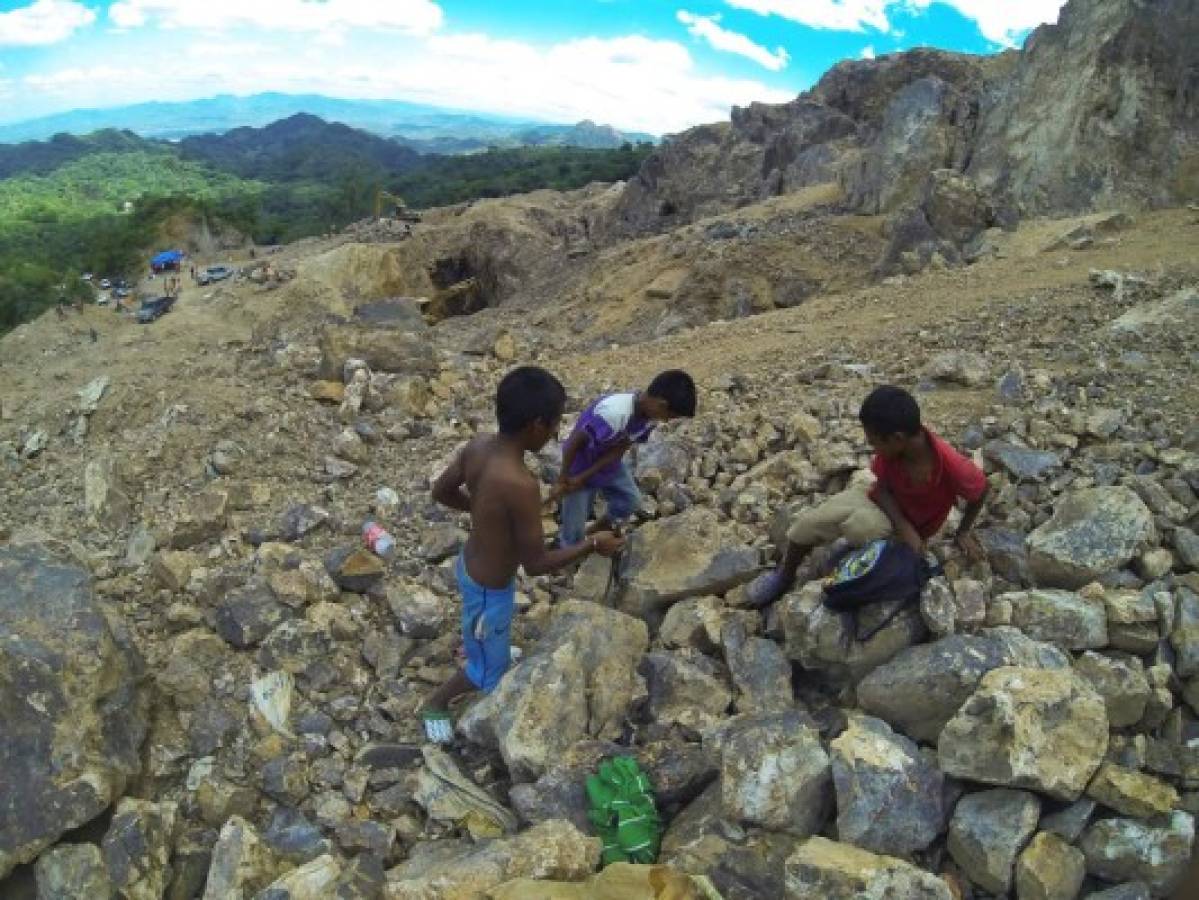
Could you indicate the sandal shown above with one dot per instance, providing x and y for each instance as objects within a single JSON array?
[
  {"x": 439, "y": 728},
  {"x": 766, "y": 588}
]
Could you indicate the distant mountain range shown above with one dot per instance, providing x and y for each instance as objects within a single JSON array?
[{"x": 425, "y": 129}]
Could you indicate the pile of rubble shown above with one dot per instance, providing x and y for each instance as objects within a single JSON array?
[{"x": 240, "y": 678}]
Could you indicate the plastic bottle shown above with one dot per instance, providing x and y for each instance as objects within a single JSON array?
[{"x": 377, "y": 540}]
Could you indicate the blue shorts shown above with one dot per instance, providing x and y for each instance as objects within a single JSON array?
[{"x": 486, "y": 628}]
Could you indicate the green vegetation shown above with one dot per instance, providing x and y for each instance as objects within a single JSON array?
[{"x": 63, "y": 201}]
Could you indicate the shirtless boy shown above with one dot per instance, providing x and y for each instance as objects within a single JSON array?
[{"x": 488, "y": 479}]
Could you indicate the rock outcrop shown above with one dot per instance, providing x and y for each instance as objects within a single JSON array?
[{"x": 71, "y": 699}]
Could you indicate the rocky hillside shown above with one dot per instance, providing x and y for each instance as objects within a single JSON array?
[
  {"x": 1098, "y": 110},
  {"x": 209, "y": 688}
]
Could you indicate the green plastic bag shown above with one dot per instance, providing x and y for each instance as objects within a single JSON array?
[{"x": 624, "y": 813}]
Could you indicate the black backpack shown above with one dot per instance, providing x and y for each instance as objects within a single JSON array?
[{"x": 884, "y": 571}]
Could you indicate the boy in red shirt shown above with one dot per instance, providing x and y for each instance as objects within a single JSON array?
[{"x": 919, "y": 480}]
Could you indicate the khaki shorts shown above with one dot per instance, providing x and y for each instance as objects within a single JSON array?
[{"x": 850, "y": 514}]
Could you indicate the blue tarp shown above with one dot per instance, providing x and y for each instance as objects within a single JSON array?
[{"x": 166, "y": 259}]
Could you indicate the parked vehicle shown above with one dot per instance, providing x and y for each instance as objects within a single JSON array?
[
  {"x": 152, "y": 310},
  {"x": 213, "y": 274},
  {"x": 121, "y": 292},
  {"x": 105, "y": 284}
]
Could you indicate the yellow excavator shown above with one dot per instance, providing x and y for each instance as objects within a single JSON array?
[{"x": 396, "y": 207}]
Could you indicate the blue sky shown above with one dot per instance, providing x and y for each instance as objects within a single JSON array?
[{"x": 646, "y": 65}]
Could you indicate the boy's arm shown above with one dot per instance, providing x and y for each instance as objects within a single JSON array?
[
  {"x": 965, "y": 538},
  {"x": 448, "y": 488},
  {"x": 904, "y": 530},
  {"x": 570, "y": 450},
  {"x": 607, "y": 459},
  {"x": 524, "y": 511}
]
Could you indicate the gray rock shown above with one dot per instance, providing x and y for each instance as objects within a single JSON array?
[
  {"x": 889, "y": 795},
  {"x": 1120, "y": 682},
  {"x": 1022, "y": 463},
  {"x": 761, "y": 671},
  {"x": 834, "y": 871},
  {"x": 382, "y": 349},
  {"x": 775, "y": 774},
  {"x": 1069, "y": 822},
  {"x": 1049, "y": 869},
  {"x": 71, "y": 701},
  {"x": 285, "y": 778},
  {"x": 247, "y": 615},
  {"x": 308, "y": 881},
  {"x": 685, "y": 691},
  {"x": 241, "y": 864},
  {"x": 1043, "y": 729},
  {"x": 578, "y": 682},
  {"x": 441, "y": 541},
  {"x": 354, "y": 569},
  {"x": 1133, "y": 890},
  {"x": 919, "y": 691},
  {"x": 291, "y": 836},
  {"x": 1128, "y": 850},
  {"x": 138, "y": 846},
  {"x": 688, "y": 555},
  {"x": 987, "y": 832},
  {"x": 822, "y": 639},
  {"x": 964, "y": 367},
  {"x": 1185, "y": 635},
  {"x": 420, "y": 613},
  {"x": 1059, "y": 617},
  {"x": 1006, "y": 554},
  {"x": 1092, "y": 533},
  {"x": 105, "y": 496},
  {"x": 72, "y": 870},
  {"x": 1186, "y": 543},
  {"x": 301, "y": 520}
]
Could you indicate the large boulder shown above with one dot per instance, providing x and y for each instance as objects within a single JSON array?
[
  {"x": 382, "y": 349},
  {"x": 923, "y": 687},
  {"x": 1049, "y": 869},
  {"x": 1121, "y": 682},
  {"x": 1043, "y": 729},
  {"x": 1092, "y": 533},
  {"x": 1059, "y": 617},
  {"x": 889, "y": 794},
  {"x": 988, "y": 831},
  {"x": 71, "y": 702},
  {"x": 578, "y": 682},
  {"x": 775, "y": 774},
  {"x": 551, "y": 850},
  {"x": 138, "y": 846},
  {"x": 688, "y": 555},
  {"x": 822, "y": 639},
  {"x": 686, "y": 691},
  {"x": 832, "y": 871},
  {"x": 1128, "y": 850}
]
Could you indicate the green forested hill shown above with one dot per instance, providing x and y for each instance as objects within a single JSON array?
[{"x": 63, "y": 201}]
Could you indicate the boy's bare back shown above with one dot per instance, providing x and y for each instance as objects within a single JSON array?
[{"x": 505, "y": 509}]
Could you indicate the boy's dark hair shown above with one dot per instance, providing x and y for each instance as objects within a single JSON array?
[
  {"x": 677, "y": 388},
  {"x": 525, "y": 395},
  {"x": 890, "y": 410}
]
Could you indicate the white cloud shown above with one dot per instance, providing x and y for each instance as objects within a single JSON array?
[
  {"x": 416, "y": 17},
  {"x": 1000, "y": 21},
  {"x": 43, "y": 22},
  {"x": 708, "y": 28},
  {"x": 834, "y": 15},
  {"x": 867, "y": 52}
]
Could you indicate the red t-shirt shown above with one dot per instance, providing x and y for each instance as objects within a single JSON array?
[{"x": 927, "y": 505}]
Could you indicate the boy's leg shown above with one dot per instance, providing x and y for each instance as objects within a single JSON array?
[
  {"x": 818, "y": 525},
  {"x": 575, "y": 509},
  {"x": 622, "y": 497}
]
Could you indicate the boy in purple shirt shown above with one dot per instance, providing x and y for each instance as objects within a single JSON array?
[{"x": 592, "y": 456}]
